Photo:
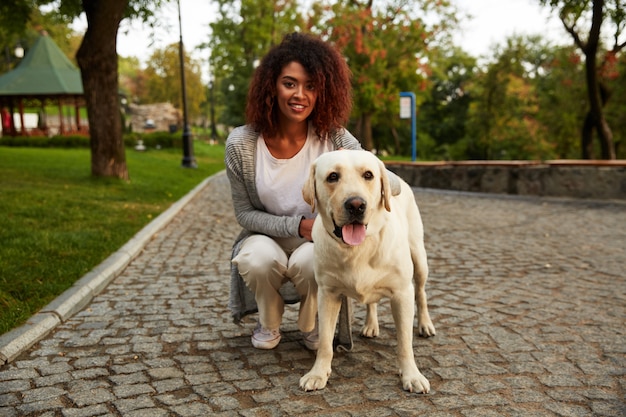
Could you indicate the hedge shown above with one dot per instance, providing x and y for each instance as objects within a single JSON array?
[{"x": 150, "y": 140}]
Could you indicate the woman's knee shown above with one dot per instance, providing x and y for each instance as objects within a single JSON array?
[
  {"x": 260, "y": 258},
  {"x": 301, "y": 269}
]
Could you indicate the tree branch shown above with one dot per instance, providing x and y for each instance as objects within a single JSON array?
[{"x": 572, "y": 31}]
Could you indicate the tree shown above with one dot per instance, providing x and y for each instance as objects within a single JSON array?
[
  {"x": 243, "y": 33},
  {"x": 611, "y": 15},
  {"x": 443, "y": 115},
  {"x": 503, "y": 117},
  {"x": 562, "y": 98},
  {"x": 617, "y": 110},
  {"x": 132, "y": 78},
  {"x": 25, "y": 36},
  {"x": 162, "y": 80},
  {"x": 97, "y": 59},
  {"x": 388, "y": 49}
]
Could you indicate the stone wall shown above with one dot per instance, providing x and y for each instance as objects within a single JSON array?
[
  {"x": 580, "y": 179},
  {"x": 152, "y": 117}
]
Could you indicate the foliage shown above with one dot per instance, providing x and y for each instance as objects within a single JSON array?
[
  {"x": 586, "y": 21},
  {"x": 58, "y": 222},
  {"x": 441, "y": 119},
  {"x": 50, "y": 22},
  {"x": 243, "y": 33},
  {"x": 70, "y": 141},
  {"x": 527, "y": 101},
  {"x": 162, "y": 81},
  {"x": 152, "y": 140},
  {"x": 503, "y": 117},
  {"x": 616, "y": 111},
  {"x": 388, "y": 49},
  {"x": 562, "y": 99},
  {"x": 132, "y": 78}
]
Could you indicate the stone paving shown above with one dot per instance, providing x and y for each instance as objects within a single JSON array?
[{"x": 528, "y": 296}]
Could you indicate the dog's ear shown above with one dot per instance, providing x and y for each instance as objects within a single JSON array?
[
  {"x": 385, "y": 185},
  {"x": 308, "y": 190}
]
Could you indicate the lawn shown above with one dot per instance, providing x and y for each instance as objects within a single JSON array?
[{"x": 58, "y": 222}]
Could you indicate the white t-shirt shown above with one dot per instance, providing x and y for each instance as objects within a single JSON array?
[{"x": 279, "y": 182}]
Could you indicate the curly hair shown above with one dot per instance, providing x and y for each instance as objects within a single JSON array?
[{"x": 328, "y": 71}]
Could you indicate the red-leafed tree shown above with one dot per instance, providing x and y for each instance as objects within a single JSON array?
[
  {"x": 592, "y": 24},
  {"x": 387, "y": 47}
]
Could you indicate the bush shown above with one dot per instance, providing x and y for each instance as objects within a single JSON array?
[
  {"x": 71, "y": 141},
  {"x": 150, "y": 140},
  {"x": 154, "y": 140}
]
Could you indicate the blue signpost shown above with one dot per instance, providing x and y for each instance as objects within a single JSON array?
[{"x": 407, "y": 110}]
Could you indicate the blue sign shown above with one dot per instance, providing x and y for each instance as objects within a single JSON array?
[{"x": 407, "y": 110}]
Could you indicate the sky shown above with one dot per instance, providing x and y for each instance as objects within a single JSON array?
[{"x": 492, "y": 22}]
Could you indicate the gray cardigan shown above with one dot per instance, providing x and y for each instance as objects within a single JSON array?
[{"x": 250, "y": 213}]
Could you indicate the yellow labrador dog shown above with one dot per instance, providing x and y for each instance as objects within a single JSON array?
[{"x": 368, "y": 245}]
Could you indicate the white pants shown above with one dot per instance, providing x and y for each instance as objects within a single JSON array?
[{"x": 265, "y": 264}]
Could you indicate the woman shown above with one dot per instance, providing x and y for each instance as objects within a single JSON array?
[{"x": 298, "y": 101}]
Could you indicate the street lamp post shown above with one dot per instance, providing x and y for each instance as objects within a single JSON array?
[
  {"x": 212, "y": 110},
  {"x": 188, "y": 159}
]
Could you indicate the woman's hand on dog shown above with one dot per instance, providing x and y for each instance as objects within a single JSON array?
[{"x": 306, "y": 225}]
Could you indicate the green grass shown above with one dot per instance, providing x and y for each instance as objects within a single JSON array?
[{"x": 58, "y": 222}]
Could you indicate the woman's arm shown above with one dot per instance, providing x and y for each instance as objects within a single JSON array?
[{"x": 250, "y": 214}]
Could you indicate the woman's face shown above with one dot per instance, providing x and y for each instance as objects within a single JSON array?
[{"x": 296, "y": 94}]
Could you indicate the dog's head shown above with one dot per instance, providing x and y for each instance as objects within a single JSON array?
[{"x": 350, "y": 187}]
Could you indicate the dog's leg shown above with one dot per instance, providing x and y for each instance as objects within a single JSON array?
[
  {"x": 425, "y": 325},
  {"x": 403, "y": 309},
  {"x": 370, "y": 328},
  {"x": 328, "y": 311}
]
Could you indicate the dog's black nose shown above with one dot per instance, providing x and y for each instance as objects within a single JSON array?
[{"x": 355, "y": 206}]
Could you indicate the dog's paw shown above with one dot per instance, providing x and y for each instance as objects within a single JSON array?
[
  {"x": 415, "y": 382},
  {"x": 313, "y": 381},
  {"x": 370, "y": 330},
  {"x": 426, "y": 328}
]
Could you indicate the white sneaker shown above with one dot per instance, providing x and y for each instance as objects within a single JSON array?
[
  {"x": 264, "y": 338},
  {"x": 312, "y": 338}
]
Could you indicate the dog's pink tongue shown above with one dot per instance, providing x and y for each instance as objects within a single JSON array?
[{"x": 353, "y": 234}]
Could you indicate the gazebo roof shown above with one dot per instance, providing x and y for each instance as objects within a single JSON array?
[{"x": 44, "y": 71}]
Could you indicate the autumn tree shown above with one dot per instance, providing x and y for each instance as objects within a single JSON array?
[
  {"x": 616, "y": 111},
  {"x": 503, "y": 116},
  {"x": 131, "y": 78},
  {"x": 162, "y": 80},
  {"x": 585, "y": 20},
  {"x": 387, "y": 46},
  {"x": 562, "y": 99}
]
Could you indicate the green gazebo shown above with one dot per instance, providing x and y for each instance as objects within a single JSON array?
[{"x": 44, "y": 75}]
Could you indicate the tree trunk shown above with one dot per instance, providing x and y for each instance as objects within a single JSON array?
[
  {"x": 358, "y": 128},
  {"x": 396, "y": 141},
  {"x": 97, "y": 58},
  {"x": 366, "y": 132},
  {"x": 593, "y": 86},
  {"x": 587, "y": 137}
]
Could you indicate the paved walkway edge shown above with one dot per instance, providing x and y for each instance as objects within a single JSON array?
[{"x": 16, "y": 341}]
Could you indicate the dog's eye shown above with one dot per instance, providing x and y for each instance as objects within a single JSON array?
[
  {"x": 332, "y": 177},
  {"x": 368, "y": 175}
]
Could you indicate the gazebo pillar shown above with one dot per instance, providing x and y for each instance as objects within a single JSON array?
[
  {"x": 77, "y": 110},
  {"x": 61, "y": 126},
  {"x": 22, "y": 127},
  {"x": 12, "y": 111}
]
